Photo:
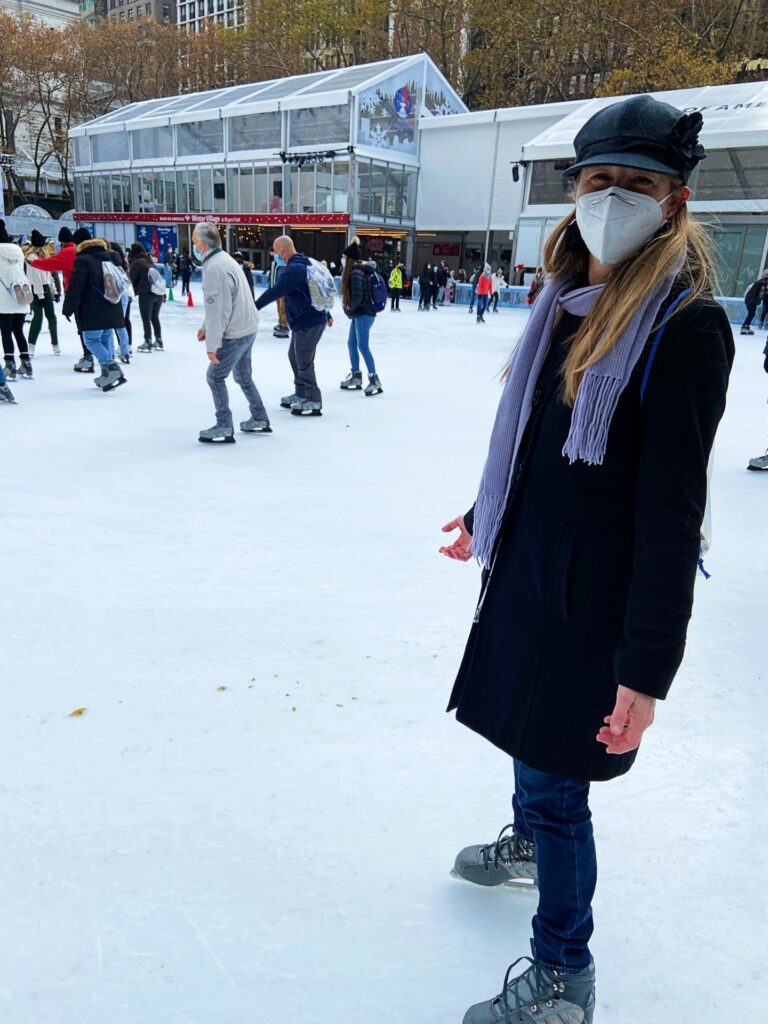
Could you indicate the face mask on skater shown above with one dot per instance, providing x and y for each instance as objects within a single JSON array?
[
  {"x": 616, "y": 223},
  {"x": 279, "y": 260},
  {"x": 197, "y": 254}
]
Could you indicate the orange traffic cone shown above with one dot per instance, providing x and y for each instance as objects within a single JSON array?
[{"x": 189, "y": 299}]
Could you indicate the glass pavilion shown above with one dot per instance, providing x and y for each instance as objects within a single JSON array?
[{"x": 326, "y": 154}]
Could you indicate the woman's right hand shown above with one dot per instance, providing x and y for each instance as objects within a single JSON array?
[{"x": 461, "y": 549}]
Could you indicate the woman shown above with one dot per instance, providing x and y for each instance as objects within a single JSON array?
[
  {"x": 587, "y": 524},
  {"x": 498, "y": 283},
  {"x": 753, "y": 296},
  {"x": 139, "y": 266},
  {"x": 124, "y": 333},
  {"x": 396, "y": 287},
  {"x": 42, "y": 285},
  {"x": 185, "y": 271},
  {"x": 425, "y": 287},
  {"x": 483, "y": 290},
  {"x": 13, "y": 286},
  {"x": 356, "y": 300}
]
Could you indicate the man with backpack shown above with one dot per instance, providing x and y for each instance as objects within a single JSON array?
[
  {"x": 306, "y": 321},
  {"x": 94, "y": 298}
]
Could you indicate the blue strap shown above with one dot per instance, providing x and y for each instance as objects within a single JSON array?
[{"x": 657, "y": 338}]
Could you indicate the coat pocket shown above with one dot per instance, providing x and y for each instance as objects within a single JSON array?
[{"x": 558, "y": 591}]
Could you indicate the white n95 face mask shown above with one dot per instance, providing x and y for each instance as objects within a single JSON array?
[{"x": 616, "y": 223}]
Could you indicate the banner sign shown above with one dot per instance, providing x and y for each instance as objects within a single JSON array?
[
  {"x": 316, "y": 220},
  {"x": 446, "y": 250}
]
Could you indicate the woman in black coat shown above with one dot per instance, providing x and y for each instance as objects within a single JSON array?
[
  {"x": 588, "y": 524},
  {"x": 425, "y": 286}
]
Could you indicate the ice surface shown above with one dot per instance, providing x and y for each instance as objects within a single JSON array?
[{"x": 278, "y": 850}]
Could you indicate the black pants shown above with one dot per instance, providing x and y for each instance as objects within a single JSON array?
[
  {"x": 495, "y": 301},
  {"x": 12, "y": 326},
  {"x": 396, "y": 298},
  {"x": 751, "y": 310},
  {"x": 435, "y": 293},
  {"x": 128, "y": 322},
  {"x": 301, "y": 355},
  {"x": 764, "y": 312},
  {"x": 185, "y": 283},
  {"x": 149, "y": 307}
]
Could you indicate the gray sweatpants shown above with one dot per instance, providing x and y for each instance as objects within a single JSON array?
[
  {"x": 301, "y": 355},
  {"x": 235, "y": 358}
]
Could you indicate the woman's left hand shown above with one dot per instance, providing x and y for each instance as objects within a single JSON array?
[{"x": 624, "y": 727}]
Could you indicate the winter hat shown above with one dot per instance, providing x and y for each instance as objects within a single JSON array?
[
  {"x": 640, "y": 132},
  {"x": 37, "y": 240},
  {"x": 137, "y": 249},
  {"x": 237, "y": 256},
  {"x": 65, "y": 235},
  {"x": 4, "y": 236},
  {"x": 81, "y": 235},
  {"x": 353, "y": 250}
]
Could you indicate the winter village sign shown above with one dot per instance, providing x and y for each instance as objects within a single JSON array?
[{"x": 263, "y": 219}]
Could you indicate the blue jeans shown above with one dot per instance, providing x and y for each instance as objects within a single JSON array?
[
  {"x": 168, "y": 267},
  {"x": 122, "y": 332},
  {"x": 101, "y": 344},
  {"x": 482, "y": 305},
  {"x": 235, "y": 358},
  {"x": 359, "y": 329},
  {"x": 553, "y": 812},
  {"x": 2, "y": 375}
]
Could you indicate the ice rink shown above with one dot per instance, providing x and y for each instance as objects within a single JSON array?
[{"x": 254, "y": 819}]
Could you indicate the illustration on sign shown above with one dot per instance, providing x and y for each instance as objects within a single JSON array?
[
  {"x": 387, "y": 117},
  {"x": 156, "y": 239}
]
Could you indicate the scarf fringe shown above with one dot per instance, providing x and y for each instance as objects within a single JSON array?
[
  {"x": 593, "y": 411},
  {"x": 489, "y": 512}
]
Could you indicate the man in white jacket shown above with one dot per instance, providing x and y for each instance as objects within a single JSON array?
[{"x": 229, "y": 330}]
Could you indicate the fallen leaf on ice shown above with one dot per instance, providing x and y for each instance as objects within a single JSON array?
[
  {"x": 221, "y": 687},
  {"x": 77, "y": 712}
]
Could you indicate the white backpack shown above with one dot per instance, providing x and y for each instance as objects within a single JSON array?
[
  {"x": 116, "y": 283},
  {"x": 19, "y": 289},
  {"x": 156, "y": 282},
  {"x": 322, "y": 287}
]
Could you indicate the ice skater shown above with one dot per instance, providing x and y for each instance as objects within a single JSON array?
[
  {"x": 587, "y": 526},
  {"x": 63, "y": 261},
  {"x": 229, "y": 331},
  {"x": 498, "y": 283},
  {"x": 358, "y": 306},
  {"x": 754, "y": 295},
  {"x": 41, "y": 282},
  {"x": 95, "y": 315},
  {"x": 15, "y": 299},
  {"x": 483, "y": 290},
  {"x": 306, "y": 323}
]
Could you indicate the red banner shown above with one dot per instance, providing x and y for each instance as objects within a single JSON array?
[
  {"x": 299, "y": 220},
  {"x": 446, "y": 250}
]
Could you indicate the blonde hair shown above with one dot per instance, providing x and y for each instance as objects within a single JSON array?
[{"x": 565, "y": 255}]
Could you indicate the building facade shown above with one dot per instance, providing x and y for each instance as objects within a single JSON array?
[
  {"x": 58, "y": 13},
  {"x": 326, "y": 155},
  {"x": 194, "y": 15},
  {"x": 162, "y": 11}
]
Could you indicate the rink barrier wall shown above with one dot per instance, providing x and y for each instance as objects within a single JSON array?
[{"x": 516, "y": 298}]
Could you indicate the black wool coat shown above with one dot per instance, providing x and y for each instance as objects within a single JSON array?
[
  {"x": 594, "y": 573},
  {"x": 85, "y": 292}
]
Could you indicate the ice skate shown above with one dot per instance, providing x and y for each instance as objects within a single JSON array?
[
  {"x": 747, "y": 330},
  {"x": 353, "y": 381},
  {"x": 56, "y": 350},
  {"x": 217, "y": 435},
  {"x": 539, "y": 996},
  {"x": 84, "y": 365},
  {"x": 303, "y": 407},
  {"x": 288, "y": 400},
  {"x": 159, "y": 344},
  {"x": 10, "y": 369},
  {"x": 125, "y": 359},
  {"x": 281, "y": 332},
  {"x": 254, "y": 426},
  {"x": 6, "y": 395},
  {"x": 511, "y": 861},
  {"x": 111, "y": 377},
  {"x": 31, "y": 348},
  {"x": 145, "y": 347},
  {"x": 374, "y": 385},
  {"x": 25, "y": 369},
  {"x": 759, "y": 464}
]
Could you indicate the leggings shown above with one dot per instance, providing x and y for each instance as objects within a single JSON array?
[
  {"x": 359, "y": 329},
  {"x": 751, "y": 310},
  {"x": 12, "y": 326},
  {"x": 494, "y": 301},
  {"x": 40, "y": 306},
  {"x": 396, "y": 298},
  {"x": 149, "y": 307}
]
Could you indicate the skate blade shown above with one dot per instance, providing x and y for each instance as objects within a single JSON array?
[
  {"x": 115, "y": 384},
  {"x": 216, "y": 440},
  {"x": 512, "y": 883},
  {"x": 351, "y": 387},
  {"x": 312, "y": 412},
  {"x": 263, "y": 430},
  {"x": 372, "y": 394}
]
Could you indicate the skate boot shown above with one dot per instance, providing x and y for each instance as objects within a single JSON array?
[
  {"x": 146, "y": 347},
  {"x": 125, "y": 359},
  {"x": 56, "y": 349},
  {"x": 84, "y": 365},
  {"x": 288, "y": 400},
  {"x": 111, "y": 377},
  {"x": 353, "y": 381},
  {"x": 10, "y": 369},
  {"x": 539, "y": 996},
  {"x": 374, "y": 385},
  {"x": 281, "y": 332},
  {"x": 31, "y": 348},
  {"x": 253, "y": 426},
  {"x": 760, "y": 463},
  {"x": 747, "y": 330},
  {"x": 159, "y": 344},
  {"x": 217, "y": 435},
  {"x": 511, "y": 861},
  {"x": 6, "y": 395},
  {"x": 303, "y": 407},
  {"x": 25, "y": 369}
]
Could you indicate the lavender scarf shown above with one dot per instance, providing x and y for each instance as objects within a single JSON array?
[{"x": 596, "y": 400}]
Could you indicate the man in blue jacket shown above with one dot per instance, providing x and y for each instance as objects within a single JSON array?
[{"x": 307, "y": 325}]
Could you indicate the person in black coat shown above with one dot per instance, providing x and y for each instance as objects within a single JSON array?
[
  {"x": 425, "y": 286},
  {"x": 590, "y": 560},
  {"x": 140, "y": 265},
  {"x": 755, "y": 294},
  {"x": 358, "y": 306},
  {"x": 96, "y": 316},
  {"x": 238, "y": 258}
]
